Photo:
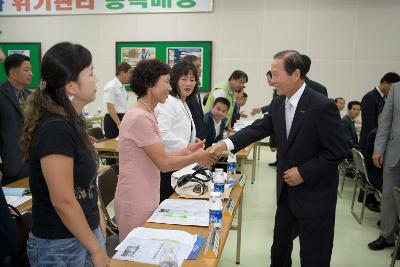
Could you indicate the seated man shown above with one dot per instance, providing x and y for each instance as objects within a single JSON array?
[
  {"x": 215, "y": 121},
  {"x": 353, "y": 111},
  {"x": 241, "y": 99}
]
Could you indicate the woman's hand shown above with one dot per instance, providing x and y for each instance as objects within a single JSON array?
[
  {"x": 191, "y": 148},
  {"x": 102, "y": 223},
  {"x": 100, "y": 259},
  {"x": 205, "y": 158}
]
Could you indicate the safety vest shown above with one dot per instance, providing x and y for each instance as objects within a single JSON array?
[{"x": 230, "y": 95}]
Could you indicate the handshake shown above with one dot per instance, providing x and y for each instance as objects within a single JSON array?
[{"x": 205, "y": 157}]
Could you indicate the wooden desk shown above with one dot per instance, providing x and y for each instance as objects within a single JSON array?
[
  {"x": 110, "y": 145},
  {"x": 242, "y": 158},
  {"x": 237, "y": 196},
  {"x": 90, "y": 120},
  {"x": 107, "y": 149},
  {"x": 24, "y": 183}
]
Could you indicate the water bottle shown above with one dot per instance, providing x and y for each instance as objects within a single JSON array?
[
  {"x": 168, "y": 257},
  {"x": 219, "y": 181},
  {"x": 85, "y": 113},
  {"x": 215, "y": 206},
  {"x": 231, "y": 169}
]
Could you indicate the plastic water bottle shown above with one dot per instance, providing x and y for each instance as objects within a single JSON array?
[
  {"x": 215, "y": 206},
  {"x": 219, "y": 181},
  {"x": 231, "y": 169},
  {"x": 85, "y": 113},
  {"x": 168, "y": 257}
]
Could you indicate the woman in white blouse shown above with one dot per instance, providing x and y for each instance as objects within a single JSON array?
[{"x": 174, "y": 118}]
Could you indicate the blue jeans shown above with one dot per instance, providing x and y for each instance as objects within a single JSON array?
[{"x": 60, "y": 252}]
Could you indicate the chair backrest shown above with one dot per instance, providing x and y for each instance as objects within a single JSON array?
[
  {"x": 107, "y": 185},
  {"x": 359, "y": 161},
  {"x": 396, "y": 195},
  {"x": 359, "y": 164},
  {"x": 96, "y": 132}
]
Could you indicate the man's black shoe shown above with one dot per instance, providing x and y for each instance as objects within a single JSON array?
[
  {"x": 373, "y": 207},
  {"x": 273, "y": 164},
  {"x": 380, "y": 244}
]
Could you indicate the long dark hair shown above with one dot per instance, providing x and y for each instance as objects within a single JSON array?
[
  {"x": 179, "y": 70},
  {"x": 61, "y": 64}
]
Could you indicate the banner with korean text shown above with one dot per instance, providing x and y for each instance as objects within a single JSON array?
[{"x": 76, "y": 7}]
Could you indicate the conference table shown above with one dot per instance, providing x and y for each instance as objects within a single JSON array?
[
  {"x": 204, "y": 260},
  {"x": 208, "y": 260},
  {"x": 24, "y": 183},
  {"x": 242, "y": 157}
]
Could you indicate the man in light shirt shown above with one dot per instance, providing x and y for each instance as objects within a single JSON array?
[
  {"x": 228, "y": 90},
  {"x": 116, "y": 99},
  {"x": 310, "y": 141}
]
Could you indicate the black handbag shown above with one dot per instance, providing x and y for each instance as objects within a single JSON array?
[{"x": 23, "y": 222}]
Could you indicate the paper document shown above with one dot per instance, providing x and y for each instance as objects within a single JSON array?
[
  {"x": 145, "y": 245},
  {"x": 13, "y": 191},
  {"x": 15, "y": 201},
  {"x": 182, "y": 212}
]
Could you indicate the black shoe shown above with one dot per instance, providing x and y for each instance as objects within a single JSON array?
[
  {"x": 373, "y": 207},
  {"x": 378, "y": 223},
  {"x": 379, "y": 244},
  {"x": 273, "y": 164}
]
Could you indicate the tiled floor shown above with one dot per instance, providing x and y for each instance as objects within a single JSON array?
[{"x": 351, "y": 239}]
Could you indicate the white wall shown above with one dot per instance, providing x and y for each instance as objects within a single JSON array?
[{"x": 352, "y": 42}]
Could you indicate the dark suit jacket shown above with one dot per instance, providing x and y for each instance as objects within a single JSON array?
[
  {"x": 350, "y": 132},
  {"x": 370, "y": 104},
  {"x": 210, "y": 129},
  {"x": 197, "y": 114},
  {"x": 317, "y": 87},
  {"x": 315, "y": 145},
  {"x": 11, "y": 125}
]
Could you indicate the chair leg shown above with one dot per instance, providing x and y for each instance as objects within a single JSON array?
[
  {"x": 356, "y": 181},
  {"x": 396, "y": 248},
  {"x": 342, "y": 175}
]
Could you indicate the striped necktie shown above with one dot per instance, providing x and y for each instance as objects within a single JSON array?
[{"x": 21, "y": 101}]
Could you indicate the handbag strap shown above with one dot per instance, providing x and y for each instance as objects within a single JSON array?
[{"x": 17, "y": 213}]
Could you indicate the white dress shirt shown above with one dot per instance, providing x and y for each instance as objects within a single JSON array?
[
  {"x": 176, "y": 124},
  {"x": 115, "y": 93},
  {"x": 380, "y": 92},
  {"x": 289, "y": 114}
]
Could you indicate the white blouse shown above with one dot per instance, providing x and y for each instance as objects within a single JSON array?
[{"x": 176, "y": 124}]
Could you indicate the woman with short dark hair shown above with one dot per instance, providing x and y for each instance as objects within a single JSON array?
[{"x": 141, "y": 150}]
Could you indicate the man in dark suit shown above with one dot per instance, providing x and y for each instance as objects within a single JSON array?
[
  {"x": 310, "y": 83},
  {"x": 310, "y": 141},
  {"x": 353, "y": 111},
  {"x": 13, "y": 98},
  {"x": 8, "y": 230},
  {"x": 195, "y": 105},
  {"x": 373, "y": 101}
]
